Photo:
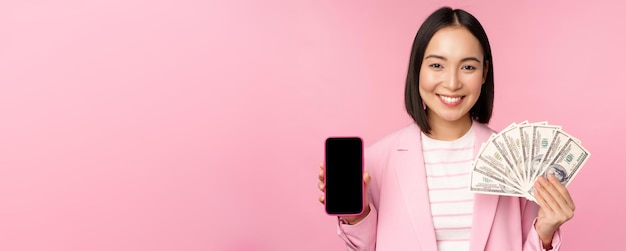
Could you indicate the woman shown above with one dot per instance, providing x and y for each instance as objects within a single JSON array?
[{"x": 417, "y": 177}]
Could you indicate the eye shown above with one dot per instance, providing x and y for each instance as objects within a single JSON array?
[
  {"x": 436, "y": 66},
  {"x": 468, "y": 68}
]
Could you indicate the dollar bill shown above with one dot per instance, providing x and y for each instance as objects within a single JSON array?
[
  {"x": 542, "y": 136},
  {"x": 526, "y": 132},
  {"x": 557, "y": 143},
  {"x": 503, "y": 155},
  {"x": 509, "y": 162},
  {"x": 495, "y": 171},
  {"x": 513, "y": 141},
  {"x": 493, "y": 157},
  {"x": 566, "y": 164},
  {"x": 483, "y": 184}
]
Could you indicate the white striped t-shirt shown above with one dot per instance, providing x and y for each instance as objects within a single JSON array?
[{"x": 448, "y": 165}]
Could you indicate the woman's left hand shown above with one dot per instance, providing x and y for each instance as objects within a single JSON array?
[{"x": 557, "y": 207}]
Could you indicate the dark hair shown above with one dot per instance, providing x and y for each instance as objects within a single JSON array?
[{"x": 445, "y": 17}]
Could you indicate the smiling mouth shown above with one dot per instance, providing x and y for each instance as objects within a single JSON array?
[{"x": 451, "y": 100}]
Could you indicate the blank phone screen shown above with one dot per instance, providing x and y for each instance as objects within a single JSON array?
[{"x": 344, "y": 176}]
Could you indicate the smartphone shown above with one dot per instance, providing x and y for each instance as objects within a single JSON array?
[{"x": 344, "y": 176}]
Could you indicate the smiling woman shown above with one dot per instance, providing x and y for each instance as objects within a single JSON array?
[
  {"x": 450, "y": 40},
  {"x": 417, "y": 177},
  {"x": 451, "y": 77}
]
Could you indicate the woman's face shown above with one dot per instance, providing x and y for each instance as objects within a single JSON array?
[{"x": 451, "y": 74}]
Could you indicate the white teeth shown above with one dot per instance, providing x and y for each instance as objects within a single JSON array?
[{"x": 450, "y": 99}]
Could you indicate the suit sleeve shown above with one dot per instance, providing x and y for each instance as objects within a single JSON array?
[
  {"x": 360, "y": 236},
  {"x": 532, "y": 242}
]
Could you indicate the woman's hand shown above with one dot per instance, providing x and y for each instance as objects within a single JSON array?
[
  {"x": 557, "y": 207},
  {"x": 350, "y": 219}
]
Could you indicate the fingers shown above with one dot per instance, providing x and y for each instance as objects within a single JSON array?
[
  {"x": 321, "y": 184},
  {"x": 549, "y": 197},
  {"x": 557, "y": 201},
  {"x": 559, "y": 192},
  {"x": 540, "y": 194},
  {"x": 562, "y": 191},
  {"x": 320, "y": 176}
]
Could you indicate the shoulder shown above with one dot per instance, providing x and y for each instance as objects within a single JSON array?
[
  {"x": 482, "y": 131},
  {"x": 483, "y": 127},
  {"x": 392, "y": 140},
  {"x": 378, "y": 153}
]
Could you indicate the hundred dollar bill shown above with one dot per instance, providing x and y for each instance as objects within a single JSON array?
[
  {"x": 566, "y": 164},
  {"x": 498, "y": 142},
  {"x": 493, "y": 170},
  {"x": 483, "y": 184},
  {"x": 558, "y": 142},
  {"x": 512, "y": 140},
  {"x": 492, "y": 157},
  {"x": 526, "y": 132},
  {"x": 541, "y": 138}
]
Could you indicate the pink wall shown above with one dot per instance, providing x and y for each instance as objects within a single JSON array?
[{"x": 195, "y": 125}]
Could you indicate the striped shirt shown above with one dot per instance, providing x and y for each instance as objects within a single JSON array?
[{"x": 448, "y": 165}]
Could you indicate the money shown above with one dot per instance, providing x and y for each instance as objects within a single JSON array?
[
  {"x": 513, "y": 142},
  {"x": 541, "y": 139},
  {"x": 526, "y": 134},
  {"x": 483, "y": 184},
  {"x": 493, "y": 158},
  {"x": 510, "y": 162}
]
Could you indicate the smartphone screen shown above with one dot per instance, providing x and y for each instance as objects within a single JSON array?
[{"x": 344, "y": 176}]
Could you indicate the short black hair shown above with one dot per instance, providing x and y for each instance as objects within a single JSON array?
[{"x": 441, "y": 18}]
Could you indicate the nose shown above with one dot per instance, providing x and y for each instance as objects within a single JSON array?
[{"x": 453, "y": 82}]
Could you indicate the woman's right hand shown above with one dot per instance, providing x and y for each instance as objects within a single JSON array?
[{"x": 350, "y": 219}]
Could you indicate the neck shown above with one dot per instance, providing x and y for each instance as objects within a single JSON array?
[{"x": 449, "y": 130}]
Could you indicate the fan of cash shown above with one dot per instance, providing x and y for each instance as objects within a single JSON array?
[{"x": 510, "y": 161}]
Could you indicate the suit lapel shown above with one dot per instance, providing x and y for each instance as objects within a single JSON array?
[
  {"x": 409, "y": 162},
  {"x": 484, "y": 205}
]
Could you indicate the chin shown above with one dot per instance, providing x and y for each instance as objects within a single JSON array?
[
  {"x": 453, "y": 117},
  {"x": 456, "y": 119}
]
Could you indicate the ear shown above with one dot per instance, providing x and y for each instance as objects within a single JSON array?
[{"x": 485, "y": 70}]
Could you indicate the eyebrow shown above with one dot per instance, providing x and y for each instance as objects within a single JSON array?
[{"x": 443, "y": 58}]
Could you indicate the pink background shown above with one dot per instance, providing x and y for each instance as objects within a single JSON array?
[{"x": 199, "y": 125}]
